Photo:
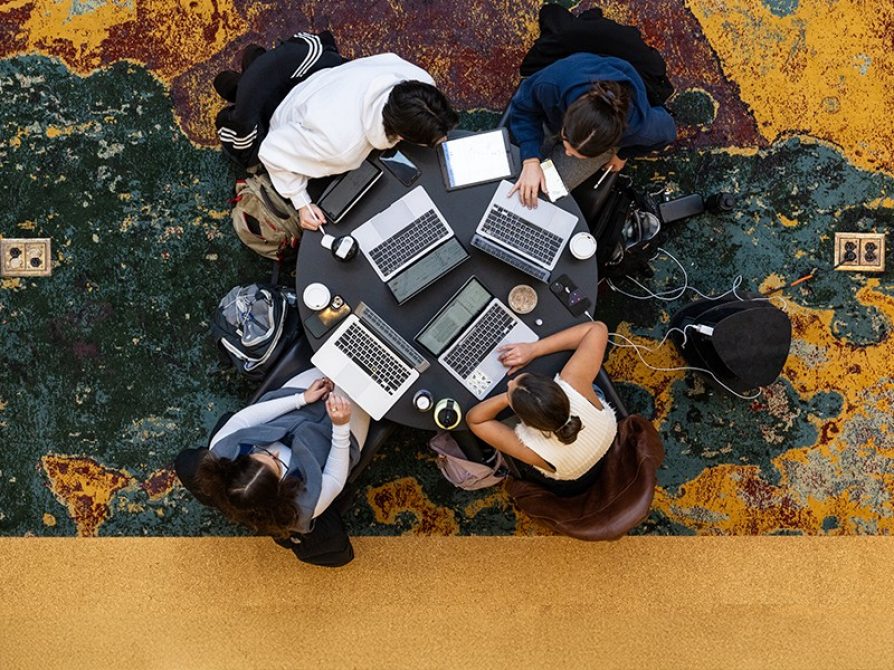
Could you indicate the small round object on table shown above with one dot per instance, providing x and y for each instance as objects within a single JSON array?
[{"x": 316, "y": 296}]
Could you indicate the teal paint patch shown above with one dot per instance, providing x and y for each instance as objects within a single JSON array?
[
  {"x": 108, "y": 358},
  {"x": 826, "y": 405},
  {"x": 478, "y": 120},
  {"x": 693, "y": 108},
  {"x": 806, "y": 182},
  {"x": 80, "y": 7},
  {"x": 781, "y": 7},
  {"x": 830, "y": 523}
]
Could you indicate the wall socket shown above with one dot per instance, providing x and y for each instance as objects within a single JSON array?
[
  {"x": 25, "y": 257},
  {"x": 868, "y": 247}
]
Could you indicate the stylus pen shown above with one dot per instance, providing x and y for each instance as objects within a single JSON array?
[
  {"x": 602, "y": 178},
  {"x": 314, "y": 216}
]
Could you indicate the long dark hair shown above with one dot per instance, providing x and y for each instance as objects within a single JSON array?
[
  {"x": 595, "y": 122},
  {"x": 419, "y": 113},
  {"x": 249, "y": 493},
  {"x": 542, "y": 404}
]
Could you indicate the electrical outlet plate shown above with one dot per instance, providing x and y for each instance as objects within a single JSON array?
[
  {"x": 25, "y": 257},
  {"x": 869, "y": 247}
]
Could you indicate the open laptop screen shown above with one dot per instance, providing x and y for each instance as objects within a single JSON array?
[{"x": 465, "y": 305}]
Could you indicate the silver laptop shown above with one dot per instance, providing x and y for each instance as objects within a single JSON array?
[
  {"x": 367, "y": 369},
  {"x": 466, "y": 334},
  {"x": 408, "y": 229},
  {"x": 538, "y": 234}
]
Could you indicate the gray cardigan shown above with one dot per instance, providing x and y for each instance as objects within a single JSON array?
[{"x": 308, "y": 433}]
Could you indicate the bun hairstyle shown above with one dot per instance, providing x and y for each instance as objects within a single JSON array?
[
  {"x": 542, "y": 404},
  {"x": 248, "y": 492},
  {"x": 595, "y": 122},
  {"x": 419, "y": 113}
]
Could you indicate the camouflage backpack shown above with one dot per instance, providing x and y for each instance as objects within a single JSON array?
[{"x": 266, "y": 222}]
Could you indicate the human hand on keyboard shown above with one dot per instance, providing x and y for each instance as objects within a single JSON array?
[
  {"x": 530, "y": 182},
  {"x": 516, "y": 356}
]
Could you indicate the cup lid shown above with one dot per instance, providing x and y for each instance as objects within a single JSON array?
[{"x": 316, "y": 295}]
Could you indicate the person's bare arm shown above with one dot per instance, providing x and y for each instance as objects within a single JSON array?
[
  {"x": 483, "y": 422},
  {"x": 516, "y": 356}
]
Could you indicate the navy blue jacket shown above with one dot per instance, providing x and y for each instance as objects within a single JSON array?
[{"x": 542, "y": 99}]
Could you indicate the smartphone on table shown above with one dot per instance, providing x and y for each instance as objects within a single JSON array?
[
  {"x": 320, "y": 323},
  {"x": 400, "y": 166}
]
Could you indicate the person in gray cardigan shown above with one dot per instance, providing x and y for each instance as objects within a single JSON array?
[{"x": 278, "y": 464}]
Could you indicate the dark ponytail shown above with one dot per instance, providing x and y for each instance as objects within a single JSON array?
[
  {"x": 250, "y": 493},
  {"x": 567, "y": 432},
  {"x": 542, "y": 404},
  {"x": 595, "y": 122}
]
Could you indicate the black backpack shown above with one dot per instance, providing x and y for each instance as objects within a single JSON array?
[
  {"x": 253, "y": 325},
  {"x": 624, "y": 222}
]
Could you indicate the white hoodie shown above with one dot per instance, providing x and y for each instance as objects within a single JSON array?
[{"x": 329, "y": 123}]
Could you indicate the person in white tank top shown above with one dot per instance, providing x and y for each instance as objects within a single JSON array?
[{"x": 565, "y": 427}]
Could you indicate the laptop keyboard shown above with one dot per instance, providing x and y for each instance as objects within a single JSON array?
[
  {"x": 394, "y": 252},
  {"x": 476, "y": 345},
  {"x": 516, "y": 233},
  {"x": 510, "y": 258},
  {"x": 381, "y": 365}
]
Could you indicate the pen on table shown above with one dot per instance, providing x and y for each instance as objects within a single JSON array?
[{"x": 602, "y": 178}]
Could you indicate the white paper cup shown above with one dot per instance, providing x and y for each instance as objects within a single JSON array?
[
  {"x": 582, "y": 246},
  {"x": 316, "y": 296}
]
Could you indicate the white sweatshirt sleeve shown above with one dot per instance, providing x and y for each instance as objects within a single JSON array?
[
  {"x": 335, "y": 472},
  {"x": 260, "y": 412},
  {"x": 290, "y": 159}
]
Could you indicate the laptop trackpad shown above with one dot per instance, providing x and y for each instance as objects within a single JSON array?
[{"x": 393, "y": 219}]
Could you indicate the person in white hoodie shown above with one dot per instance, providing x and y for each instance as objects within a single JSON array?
[{"x": 330, "y": 123}]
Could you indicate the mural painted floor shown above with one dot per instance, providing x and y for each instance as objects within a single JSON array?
[{"x": 107, "y": 146}]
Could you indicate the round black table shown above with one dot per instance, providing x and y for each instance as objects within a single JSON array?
[{"x": 357, "y": 282}]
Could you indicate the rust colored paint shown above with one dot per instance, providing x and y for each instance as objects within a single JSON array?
[
  {"x": 405, "y": 496},
  {"x": 85, "y": 488}
]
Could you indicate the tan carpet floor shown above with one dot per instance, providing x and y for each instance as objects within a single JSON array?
[{"x": 448, "y": 602}]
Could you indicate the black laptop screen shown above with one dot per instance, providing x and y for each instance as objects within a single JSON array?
[{"x": 453, "y": 318}]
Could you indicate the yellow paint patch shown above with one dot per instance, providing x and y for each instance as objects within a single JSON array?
[
  {"x": 49, "y": 520},
  {"x": 11, "y": 283},
  {"x": 624, "y": 363},
  {"x": 787, "y": 222},
  {"x": 183, "y": 33},
  {"x": 406, "y": 496},
  {"x": 497, "y": 498},
  {"x": 826, "y": 70},
  {"x": 85, "y": 488},
  {"x": 731, "y": 499}
]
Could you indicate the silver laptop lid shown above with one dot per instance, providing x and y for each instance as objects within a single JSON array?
[{"x": 393, "y": 239}]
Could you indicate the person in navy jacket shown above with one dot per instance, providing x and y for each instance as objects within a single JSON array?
[{"x": 598, "y": 114}]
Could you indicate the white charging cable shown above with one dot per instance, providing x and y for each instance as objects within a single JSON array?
[
  {"x": 699, "y": 328},
  {"x": 636, "y": 347},
  {"x": 678, "y": 292}
]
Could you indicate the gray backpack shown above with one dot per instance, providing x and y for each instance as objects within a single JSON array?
[
  {"x": 459, "y": 470},
  {"x": 266, "y": 222}
]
